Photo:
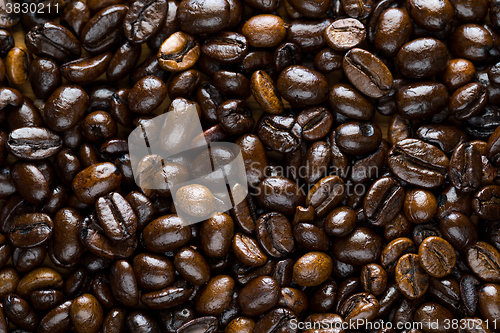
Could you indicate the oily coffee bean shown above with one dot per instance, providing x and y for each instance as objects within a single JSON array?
[
  {"x": 279, "y": 133},
  {"x": 301, "y": 86},
  {"x": 312, "y": 269},
  {"x": 422, "y": 58},
  {"x": 326, "y": 194},
  {"x": 383, "y": 201},
  {"x": 265, "y": 93},
  {"x": 421, "y": 100},
  {"x": 33, "y": 143},
  {"x": 437, "y": 256},
  {"x": 17, "y": 65},
  {"x": 484, "y": 261},
  {"x": 360, "y": 306},
  {"x": 95, "y": 181},
  {"x": 104, "y": 30},
  {"x": 367, "y": 73},
  {"x": 316, "y": 122},
  {"x": 408, "y": 161},
  {"x": 86, "y": 69},
  {"x": 358, "y": 138},
  {"x": 274, "y": 234},
  {"x": 411, "y": 278},
  {"x": 485, "y": 202},
  {"x": 360, "y": 247},
  {"x": 143, "y": 19},
  {"x": 54, "y": 41}
]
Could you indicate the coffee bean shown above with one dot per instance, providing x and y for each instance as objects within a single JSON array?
[
  {"x": 104, "y": 30},
  {"x": 436, "y": 256},
  {"x": 86, "y": 314},
  {"x": 345, "y": 34},
  {"x": 411, "y": 278},
  {"x": 367, "y": 73},
  {"x": 54, "y": 41},
  {"x": 484, "y": 260}
]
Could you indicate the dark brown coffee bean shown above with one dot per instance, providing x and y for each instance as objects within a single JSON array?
[
  {"x": 383, "y": 201},
  {"x": 346, "y": 100},
  {"x": 30, "y": 230},
  {"x": 488, "y": 301},
  {"x": 75, "y": 16},
  {"x": 259, "y": 296},
  {"x": 274, "y": 234},
  {"x": 86, "y": 69},
  {"x": 411, "y": 278},
  {"x": 20, "y": 313},
  {"x": 281, "y": 194},
  {"x": 484, "y": 261},
  {"x": 123, "y": 61},
  {"x": 192, "y": 266},
  {"x": 174, "y": 234},
  {"x": 143, "y": 19},
  {"x": 360, "y": 247},
  {"x": 33, "y": 143},
  {"x": 104, "y": 30},
  {"x": 248, "y": 251},
  {"x": 326, "y": 194},
  {"x": 95, "y": 181},
  {"x": 485, "y": 202},
  {"x": 316, "y": 122},
  {"x": 124, "y": 284},
  {"x": 54, "y": 41},
  {"x": 360, "y": 306},
  {"x": 279, "y": 133},
  {"x": 367, "y": 73},
  {"x": 421, "y": 99},
  {"x": 471, "y": 41},
  {"x": 195, "y": 18},
  {"x": 45, "y": 77},
  {"x": 383, "y": 37},
  {"x": 58, "y": 320},
  {"x": 340, "y": 221},
  {"x": 206, "y": 324},
  {"x": 430, "y": 310},
  {"x": 226, "y": 47},
  {"x": 358, "y": 138},
  {"x": 309, "y": 35},
  {"x": 301, "y": 86},
  {"x": 421, "y": 58},
  {"x": 141, "y": 321},
  {"x": 116, "y": 217},
  {"x": 86, "y": 313},
  {"x": 264, "y": 30},
  {"x": 418, "y": 163}
]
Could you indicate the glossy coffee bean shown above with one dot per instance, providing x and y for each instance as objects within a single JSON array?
[
  {"x": 412, "y": 279},
  {"x": 259, "y": 296},
  {"x": 86, "y": 314},
  {"x": 30, "y": 230},
  {"x": 437, "y": 256},
  {"x": 326, "y": 194},
  {"x": 104, "y": 30},
  {"x": 383, "y": 201},
  {"x": 95, "y": 181},
  {"x": 248, "y": 251},
  {"x": 312, "y": 269},
  {"x": 264, "y": 30},
  {"x": 484, "y": 261},
  {"x": 485, "y": 202},
  {"x": 471, "y": 41},
  {"x": 20, "y": 313},
  {"x": 86, "y": 69},
  {"x": 367, "y": 73},
  {"x": 265, "y": 92},
  {"x": 358, "y": 138},
  {"x": 195, "y": 18},
  {"x": 431, "y": 15},
  {"x": 421, "y": 100},
  {"x": 301, "y": 86},
  {"x": 143, "y": 19},
  {"x": 421, "y": 58},
  {"x": 420, "y": 206},
  {"x": 179, "y": 52},
  {"x": 173, "y": 235},
  {"x": 45, "y": 77}
]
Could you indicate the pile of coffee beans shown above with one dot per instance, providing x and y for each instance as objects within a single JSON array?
[{"x": 370, "y": 133}]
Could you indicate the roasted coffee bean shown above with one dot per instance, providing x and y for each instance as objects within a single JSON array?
[
  {"x": 484, "y": 261},
  {"x": 328, "y": 60},
  {"x": 235, "y": 117},
  {"x": 360, "y": 247},
  {"x": 30, "y": 230},
  {"x": 192, "y": 266},
  {"x": 279, "y": 133},
  {"x": 312, "y": 269},
  {"x": 195, "y": 18},
  {"x": 465, "y": 166},
  {"x": 421, "y": 100},
  {"x": 226, "y": 47},
  {"x": 301, "y": 86},
  {"x": 174, "y": 234},
  {"x": 104, "y": 30},
  {"x": 259, "y": 296},
  {"x": 17, "y": 65},
  {"x": 45, "y": 77},
  {"x": 418, "y": 163},
  {"x": 207, "y": 324},
  {"x": 486, "y": 203},
  {"x": 471, "y": 41},
  {"x": 326, "y": 194},
  {"x": 358, "y": 138},
  {"x": 346, "y": 100},
  {"x": 248, "y": 251},
  {"x": 95, "y": 181},
  {"x": 274, "y": 234},
  {"x": 265, "y": 93},
  {"x": 367, "y": 73},
  {"x": 123, "y": 61},
  {"x": 360, "y": 306},
  {"x": 75, "y": 16},
  {"x": 179, "y": 52},
  {"x": 419, "y": 206},
  {"x": 437, "y": 256},
  {"x": 345, "y": 34},
  {"x": 264, "y": 30},
  {"x": 86, "y": 314},
  {"x": 20, "y": 313},
  {"x": 340, "y": 221},
  {"x": 57, "y": 320},
  {"x": 488, "y": 300},
  {"x": 411, "y": 278},
  {"x": 468, "y": 101},
  {"x": 422, "y": 58},
  {"x": 86, "y": 69},
  {"x": 373, "y": 279},
  {"x": 383, "y": 201},
  {"x": 54, "y": 41},
  {"x": 124, "y": 284},
  {"x": 316, "y": 122},
  {"x": 116, "y": 216},
  {"x": 143, "y": 19}
]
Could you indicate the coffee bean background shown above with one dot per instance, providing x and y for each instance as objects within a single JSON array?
[{"x": 407, "y": 249}]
